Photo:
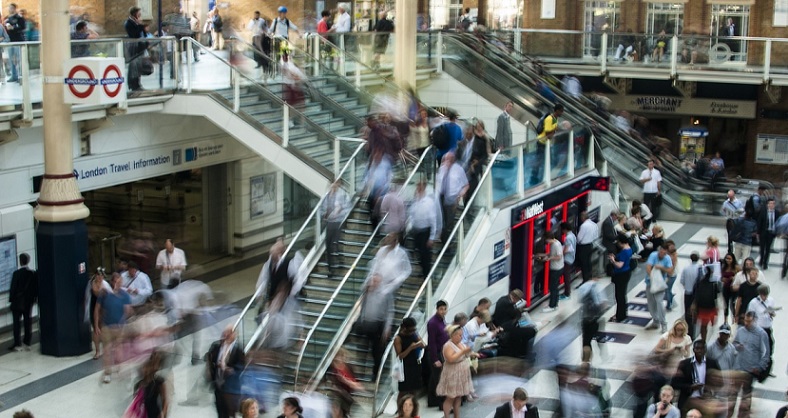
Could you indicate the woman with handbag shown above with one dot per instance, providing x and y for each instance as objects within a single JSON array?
[
  {"x": 675, "y": 341},
  {"x": 729, "y": 270},
  {"x": 408, "y": 346},
  {"x": 152, "y": 389},
  {"x": 658, "y": 266},
  {"x": 455, "y": 381}
]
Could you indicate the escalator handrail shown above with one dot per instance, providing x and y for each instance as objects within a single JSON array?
[
  {"x": 317, "y": 128},
  {"x": 673, "y": 183},
  {"x": 423, "y": 288},
  {"x": 301, "y": 230},
  {"x": 344, "y": 327},
  {"x": 346, "y": 113},
  {"x": 588, "y": 113}
]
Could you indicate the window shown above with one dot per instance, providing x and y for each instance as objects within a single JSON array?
[
  {"x": 600, "y": 16},
  {"x": 729, "y": 20},
  {"x": 504, "y": 14},
  {"x": 667, "y": 16},
  {"x": 445, "y": 13}
]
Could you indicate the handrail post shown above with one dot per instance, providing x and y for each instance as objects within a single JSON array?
[
  {"x": 603, "y": 53},
  {"x": 439, "y": 54},
  {"x": 603, "y": 169},
  {"x": 336, "y": 158},
  {"x": 176, "y": 61},
  {"x": 570, "y": 154},
  {"x": 521, "y": 170},
  {"x": 352, "y": 181},
  {"x": 317, "y": 232},
  {"x": 591, "y": 152},
  {"x": 617, "y": 195},
  {"x": 767, "y": 61},
  {"x": 429, "y": 294},
  {"x": 547, "y": 171},
  {"x": 674, "y": 55},
  {"x": 358, "y": 76},
  {"x": 236, "y": 91},
  {"x": 285, "y": 125},
  {"x": 490, "y": 194},
  {"x": 460, "y": 243},
  {"x": 342, "y": 56},
  {"x": 120, "y": 52},
  {"x": 518, "y": 41},
  {"x": 188, "y": 78},
  {"x": 315, "y": 39},
  {"x": 27, "y": 103}
]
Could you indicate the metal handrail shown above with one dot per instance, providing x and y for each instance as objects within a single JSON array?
[
  {"x": 576, "y": 104},
  {"x": 334, "y": 295},
  {"x": 295, "y": 238},
  {"x": 430, "y": 275},
  {"x": 322, "y": 365},
  {"x": 269, "y": 94},
  {"x": 573, "y": 105}
]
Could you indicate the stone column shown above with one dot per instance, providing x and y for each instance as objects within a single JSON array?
[
  {"x": 405, "y": 44},
  {"x": 61, "y": 236}
]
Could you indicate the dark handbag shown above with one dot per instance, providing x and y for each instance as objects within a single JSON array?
[
  {"x": 657, "y": 200},
  {"x": 146, "y": 66},
  {"x": 633, "y": 264}
]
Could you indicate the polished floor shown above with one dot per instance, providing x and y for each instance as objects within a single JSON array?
[{"x": 69, "y": 387}]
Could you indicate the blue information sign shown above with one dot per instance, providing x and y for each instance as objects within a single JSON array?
[
  {"x": 497, "y": 271},
  {"x": 498, "y": 249}
]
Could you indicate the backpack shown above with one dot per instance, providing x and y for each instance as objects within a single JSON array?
[
  {"x": 465, "y": 23},
  {"x": 217, "y": 24},
  {"x": 276, "y": 21},
  {"x": 540, "y": 124},
  {"x": 439, "y": 137},
  {"x": 591, "y": 309},
  {"x": 705, "y": 290}
]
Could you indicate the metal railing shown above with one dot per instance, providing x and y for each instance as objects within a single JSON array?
[
  {"x": 312, "y": 219},
  {"x": 326, "y": 359},
  {"x": 426, "y": 289}
]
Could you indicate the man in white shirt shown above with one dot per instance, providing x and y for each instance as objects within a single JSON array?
[
  {"x": 645, "y": 213},
  {"x": 586, "y": 235},
  {"x": 136, "y": 284},
  {"x": 258, "y": 27},
  {"x": 570, "y": 253},
  {"x": 281, "y": 26},
  {"x": 342, "y": 25},
  {"x": 763, "y": 305},
  {"x": 732, "y": 209},
  {"x": 423, "y": 216},
  {"x": 651, "y": 179},
  {"x": 172, "y": 262},
  {"x": 556, "y": 258},
  {"x": 452, "y": 185},
  {"x": 335, "y": 206}
]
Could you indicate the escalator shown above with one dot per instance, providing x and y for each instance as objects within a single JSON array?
[{"x": 497, "y": 73}]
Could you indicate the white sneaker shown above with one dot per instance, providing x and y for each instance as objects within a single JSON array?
[
  {"x": 549, "y": 309},
  {"x": 107, "y": 378},
  {"x": 26, "y": 347},
  {"x": 19, "y": 349}
]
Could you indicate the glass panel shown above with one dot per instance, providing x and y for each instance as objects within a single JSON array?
[
  {"x": 729, "y": 20},
  {"x": 559, "y": 154},
  {"x": 504, "y": 175},
  {"x": 582, "y": 143},
  {"x": 665, "y": 16},
  {"x": 600, "y": 16}
]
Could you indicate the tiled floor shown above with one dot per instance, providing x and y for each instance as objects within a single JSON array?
[{"x": 69, "y": 387}]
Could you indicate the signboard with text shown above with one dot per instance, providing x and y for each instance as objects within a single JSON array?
[
  {"x": 94, "y": 80},
  {"x": 743, "y": 109}
]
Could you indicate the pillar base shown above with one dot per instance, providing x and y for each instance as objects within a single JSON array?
[{"x": 61, "y": 251}]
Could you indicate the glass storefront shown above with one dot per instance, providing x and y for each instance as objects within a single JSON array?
[
  {"x": 667, "y": 16},
  {"x": 729, "y": 20},
  {"x": 445, "y": 13},
  {"x": 599, "y": 17},
  {"x": 504, "y": 14}
]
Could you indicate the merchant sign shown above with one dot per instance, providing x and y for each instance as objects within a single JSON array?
[{"x": 682, "y": 106}]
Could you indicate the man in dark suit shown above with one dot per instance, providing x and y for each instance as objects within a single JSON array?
[
  {"x": 22, "y": 296},
  {"x": 609, "y": 234},
  {"x": 503, "y": 132},
  {"x": 518, "y": 406},
  {"x": 515, "y": 341},
  {"x": 694, "y": 376},
  {"x": 225, "y": 362},
  {"x": 767, "y": 230}
]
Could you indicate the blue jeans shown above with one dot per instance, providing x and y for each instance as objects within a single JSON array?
[
  {"x": 13, "y": 58},
  {"x": 669, "y": 292}
]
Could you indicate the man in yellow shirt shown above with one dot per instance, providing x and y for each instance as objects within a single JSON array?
[{"x": 550, "y": 125}]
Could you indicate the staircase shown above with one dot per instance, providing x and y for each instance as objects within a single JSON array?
[{"x": 315, "y": 141}]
